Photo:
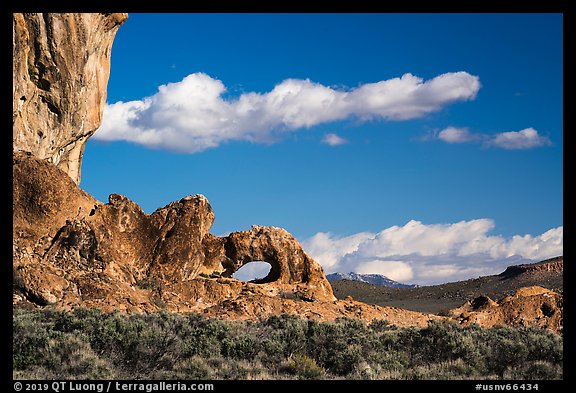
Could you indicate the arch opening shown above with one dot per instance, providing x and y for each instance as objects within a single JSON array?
[{"x": 257, "y": 272}]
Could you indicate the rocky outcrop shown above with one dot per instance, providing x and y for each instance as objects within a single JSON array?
[
  {"x": 72, "y": 249},
  {"x": 529, "y": 306},
  {"x": 61, "y": 64},
  {"x": 549, "y": 265},
  {"x": 44, "y": 198}
]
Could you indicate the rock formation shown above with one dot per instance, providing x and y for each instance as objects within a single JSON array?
[
  {"x": 71, "y": 250},
  {"x": 69, "y": 233},
  {"x": 549, "y": 265},
  {"x": 61, "y": 64},
  {"x": 529, "y": 306}
]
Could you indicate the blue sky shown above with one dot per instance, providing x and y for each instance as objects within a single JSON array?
[{"x": 428, "y": 147}]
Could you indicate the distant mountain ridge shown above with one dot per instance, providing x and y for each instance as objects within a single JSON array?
[
  {"x": 374, "y": 279},
  {"x": 548, "y": 274}
]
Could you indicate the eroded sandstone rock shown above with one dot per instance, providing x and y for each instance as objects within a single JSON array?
[
  {"x": 70, "y": 249},
  {"x": 44, "y": 198},
  {"x": 61, "y": 64}
]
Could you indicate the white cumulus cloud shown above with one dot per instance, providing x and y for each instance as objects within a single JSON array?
[
  {"x": 432, "y": 253},
  {"x": 333, "y": 140},
  {"x": 524, "y": 139},
  {"x": 527, "y": 138},
  {"x": 191, "y": 115},
  {"x": 329, "y": 250},
  {"x": 456, "y": 135}
]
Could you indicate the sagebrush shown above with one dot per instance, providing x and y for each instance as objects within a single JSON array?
[{"x": 91, "y": 344}]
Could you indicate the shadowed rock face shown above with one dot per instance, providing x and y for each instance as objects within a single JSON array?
[
  {"x": 61, "y": 64},
  {"x": 550, "y": 265}
]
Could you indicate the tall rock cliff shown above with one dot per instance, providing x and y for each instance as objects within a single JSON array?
[{"x": 60, "y": 73}]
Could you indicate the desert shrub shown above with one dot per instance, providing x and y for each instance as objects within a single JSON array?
[
  {"x": 506, "y": 352},
  {"x": 28, "y": 341},
  {"x": 304, "y": 367},
  {"x": 272, "y": 351},
  {"x": 389, "y": 360},
  {"x": 239, "y": 348},
  {"x": 191, "y": 368},
  {"x": 545, "y": 346},
  {"x": 442, "y": 341},
  {"x": 70, "y": 356},
  {"x": 512, "y": 348},
  {"x": 437, "y": 342},
  {"x": 223, "y": 368},
  {"x": 535, "y": 370},
  {"x": 286, "y": 332},
  {"x": 446, "y": 370},
  {"x": 92, "y": 344},
  {"x": 451, "y": 342},
  {"x": 380, "y": 325},
  {"x": 205, "y": 336},
  {"x": 158, "y": 347},
  {"x": 26, "y": 350},
  {"x": 332, "y": 345},
  {"x": 49, "y": 353}
]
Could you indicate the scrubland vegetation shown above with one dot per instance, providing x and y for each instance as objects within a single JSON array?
[{"x": 91, "y": 344}]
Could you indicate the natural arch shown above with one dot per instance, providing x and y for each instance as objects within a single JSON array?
[
  {"x": 257, "y": 272},
  {"x": 291, "y": 268}
]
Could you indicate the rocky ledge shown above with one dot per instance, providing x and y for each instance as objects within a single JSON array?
[{"x": 549, "y": 265}]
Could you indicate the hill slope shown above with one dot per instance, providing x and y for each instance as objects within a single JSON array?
[{"x": 439, "y": 298}]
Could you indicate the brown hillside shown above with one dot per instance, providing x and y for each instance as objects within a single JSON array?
[{"x": 440, "y": 298}]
